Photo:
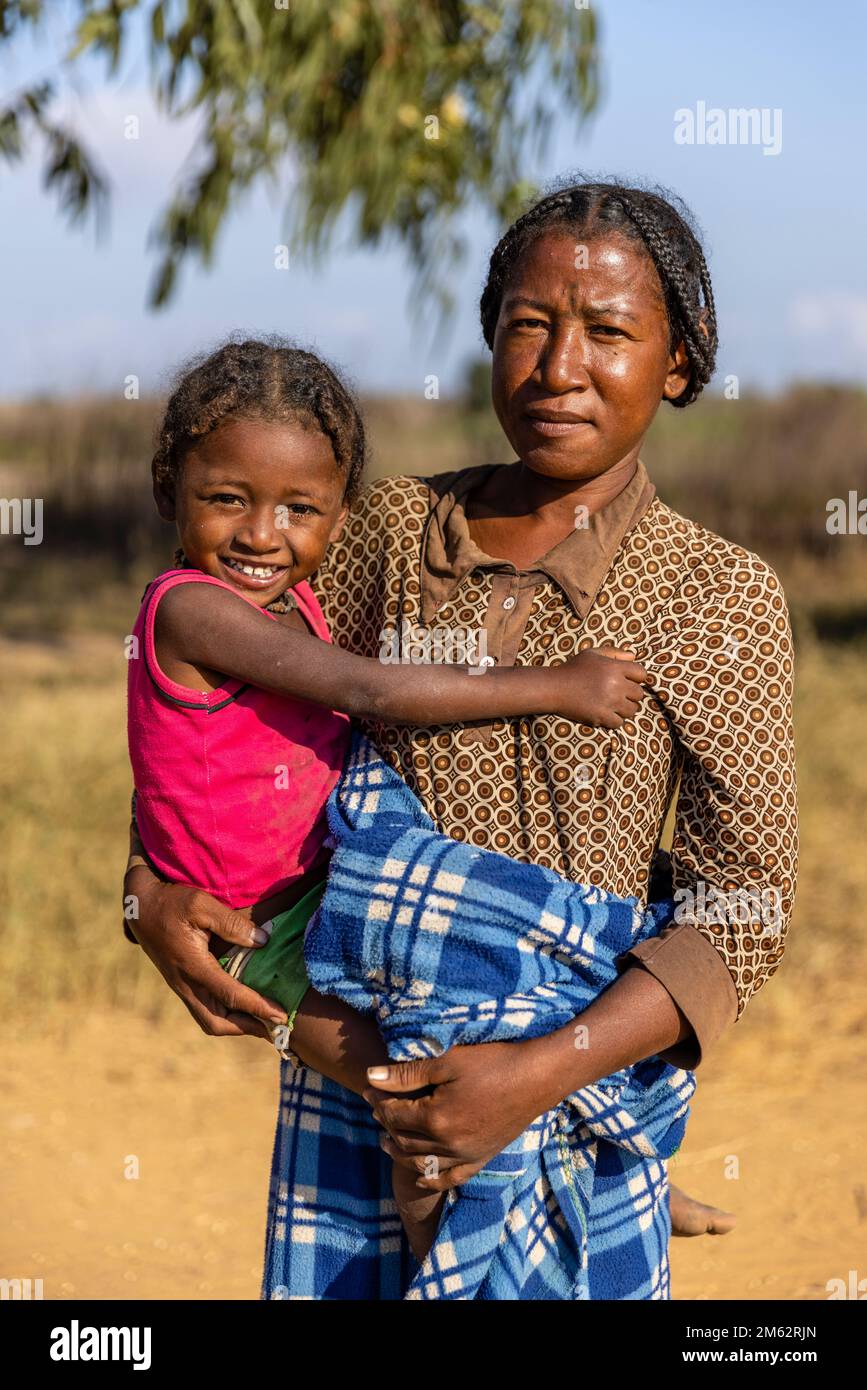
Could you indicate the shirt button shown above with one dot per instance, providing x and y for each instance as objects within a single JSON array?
[
  {"x": 488, "y": 661},
  {"x": 509, "y": 602}
]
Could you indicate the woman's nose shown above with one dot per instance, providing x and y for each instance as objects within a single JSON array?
[{"x": 564, "y": 363}]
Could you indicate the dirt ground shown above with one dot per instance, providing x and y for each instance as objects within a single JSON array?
[{"x": 135, "y": 1160}]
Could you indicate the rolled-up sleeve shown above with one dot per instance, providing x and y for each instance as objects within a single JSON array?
[
  {"x": 721, "y": 669},
  {"x": 698, "y": 980}
]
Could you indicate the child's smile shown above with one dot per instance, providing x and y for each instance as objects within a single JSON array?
[
  {"x": 256, "y": 504},
  {"x": 250, "y": 576}
]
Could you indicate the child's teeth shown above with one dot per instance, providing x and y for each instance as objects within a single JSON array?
[{"x": 256, "y": 571}]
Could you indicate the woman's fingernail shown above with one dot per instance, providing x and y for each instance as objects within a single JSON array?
[
  {"x": 260, "y": 936},
  {"x": 377, "y": 1073}
]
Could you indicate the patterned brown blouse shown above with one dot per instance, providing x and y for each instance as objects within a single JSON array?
[{"x": 709, "y": 622}]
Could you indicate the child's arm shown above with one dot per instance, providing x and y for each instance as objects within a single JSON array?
[{"x": 210, "y": 628}]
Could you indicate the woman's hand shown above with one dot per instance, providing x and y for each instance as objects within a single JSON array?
[
  {"x": 484, "y": 1097},
  {"x": 175, "y": 926}
]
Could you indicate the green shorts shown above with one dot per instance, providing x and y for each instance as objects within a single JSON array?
[{"x": 277, "y": 970}]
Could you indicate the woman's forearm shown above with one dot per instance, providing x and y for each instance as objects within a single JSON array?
[
  {"x": 140, "y": 885},
  {"x": 328, "y": 1035},
  {"x": 634, "y": 1018}
]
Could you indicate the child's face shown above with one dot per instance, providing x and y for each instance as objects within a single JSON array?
[
  {"x": 257, "y": 496},
  {"x": 581, "y": 354}
]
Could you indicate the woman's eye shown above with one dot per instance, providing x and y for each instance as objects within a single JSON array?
[
  {"x": 528, "y": 323},
  {"x": 608, "y": 329}
]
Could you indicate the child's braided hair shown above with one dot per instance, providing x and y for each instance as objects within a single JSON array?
[
  {"x": 656, "y": 219},
  {"x": 268, "y": 379}
]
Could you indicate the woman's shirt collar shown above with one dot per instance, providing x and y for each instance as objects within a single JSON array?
[{"x": 578, "y": 564}]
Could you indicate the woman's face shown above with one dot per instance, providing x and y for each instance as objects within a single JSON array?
[{"x": 582, "y": 354}]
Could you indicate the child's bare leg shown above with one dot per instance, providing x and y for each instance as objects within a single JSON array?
[
  {"x": 338, "y": 1042},
  {"x": 419, "y": 1211},
  {"x": 333, "y": 1039}
]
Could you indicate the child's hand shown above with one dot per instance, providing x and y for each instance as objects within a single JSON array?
[{"x": 601, "y": 686}]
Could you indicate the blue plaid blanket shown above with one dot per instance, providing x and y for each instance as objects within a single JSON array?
[{"x": 448, "y": 944}]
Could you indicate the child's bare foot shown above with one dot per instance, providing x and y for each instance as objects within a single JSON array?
[
  {"x": 692, "y": 1218},
  {"x": 419, "y": 1210}
]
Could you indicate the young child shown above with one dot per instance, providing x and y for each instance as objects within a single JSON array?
[{"x": 239, "y": 706}]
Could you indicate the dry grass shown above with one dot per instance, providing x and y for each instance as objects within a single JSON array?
[
  {"x": 64, "y": 804},
  {"x": 759, "y": 471},
  {"x": 64, "y": 799}
]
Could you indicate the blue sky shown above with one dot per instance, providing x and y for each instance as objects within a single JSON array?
[{"x": 786, "y": 234}]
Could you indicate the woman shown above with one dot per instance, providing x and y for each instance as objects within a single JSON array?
[{"x": 598, "y": 306}]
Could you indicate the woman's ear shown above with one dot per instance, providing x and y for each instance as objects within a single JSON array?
[
  {"x": 679, "y": 372},
  {"x": 164, "y": 496},
  {"x": 679, "y": 368}
]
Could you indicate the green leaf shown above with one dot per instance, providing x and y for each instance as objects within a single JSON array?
[{"x": 394, "y": 114}]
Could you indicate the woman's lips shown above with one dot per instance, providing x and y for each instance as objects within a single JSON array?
[
  {"x": 553, "y": 427},
  {"x": 556, "y": 427},
  {"x": 253, "y": 581}
]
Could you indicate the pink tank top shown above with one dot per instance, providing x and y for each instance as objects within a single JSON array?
[{"x": 231, "y": 784}]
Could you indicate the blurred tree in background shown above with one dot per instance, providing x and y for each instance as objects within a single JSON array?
[
  {"x": 476, "y": 394},
  {"x": 397, "y": 112}
]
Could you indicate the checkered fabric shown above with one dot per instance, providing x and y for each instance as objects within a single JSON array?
[{"x": 447, "y": 944}]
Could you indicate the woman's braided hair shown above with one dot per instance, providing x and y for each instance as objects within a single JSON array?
[
  {"x": 656, "y": 219},
  {"x": 267, "y": 379}
]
